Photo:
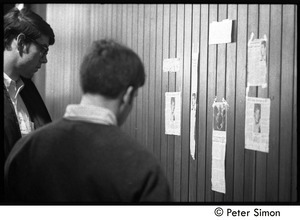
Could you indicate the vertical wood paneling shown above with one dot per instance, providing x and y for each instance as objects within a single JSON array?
[
  {"x": 118, "y": 21},
  {"x": 158, "y": 32},
  {"x": 294, "y": 151},
  {"x": 165, "y": 48},
  {"x": 186, "y": 85},
  {"x": 67, "y": 89},
  {"x": 159, "y": 108},
  {"x": 230, "y": 94},
  {"x": 97, "y": 22},
  {"x": 239, "y": 151},
  {"x": 109, "y": 23},
  {"x": 54, "y": 90},
  {"x": 80, "y": 32},
  {"x": 212, "y": 71},
  {"x": 274, "y": 90},
  {"x": 202, "y": 90},
  {"x": 114, "y": 24},
  {"x": 221, "y": 58},
  {"x": 193, "y": 163},
  {"x": 152, "y": 76},
  {"x": 49, "y": 87},
  {"x": 179, "y": 77},
  {"x": 286, "y": 104}
]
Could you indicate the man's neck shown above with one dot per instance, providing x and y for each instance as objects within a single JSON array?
[
  {"x": 12, "y": 76},
  {"x": 9, "y": 66},
  {"x": 98, "y": 100}
]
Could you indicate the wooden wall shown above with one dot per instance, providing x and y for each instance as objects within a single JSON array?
[{"x": 157, "y": 32}]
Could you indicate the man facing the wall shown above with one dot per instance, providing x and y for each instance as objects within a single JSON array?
[{"x": 85, "y": 157}]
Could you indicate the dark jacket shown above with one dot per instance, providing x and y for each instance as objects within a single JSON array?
[
  {"x": 77, "y": 161},
  {"x": 36, "y": 108},
  {"x": 38, "y": 114}
]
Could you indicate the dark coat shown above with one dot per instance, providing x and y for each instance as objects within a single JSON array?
[
  {"x": 38, "y": 114},
  {"x": 36, "y": 108}
]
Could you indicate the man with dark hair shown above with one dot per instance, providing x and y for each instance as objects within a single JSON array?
[
  {"x": 85, "y": 156},
  {"x": 26, "y": 40}
]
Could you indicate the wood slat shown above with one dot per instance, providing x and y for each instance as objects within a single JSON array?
[
  {"x": 165, "y": 55},
  {"x": 159, "y": 108},
  {"x": 212, "y": 71},
  {"x": 114, "y": 24},
  {"x": 186, "y": 85},
  {"x": 286, "y": 104},
  {"x": 109, "y": 30},
  {"x": 151, "y": 78},
  {"x": 274, "y": 91},
  {"x": 230, "y": 93},
  {"x": 179, "y": 81},
  {"x": 202, "y": 91},
  {"x": 295, "y": 119},
  {"x": 239, "y": 150}
]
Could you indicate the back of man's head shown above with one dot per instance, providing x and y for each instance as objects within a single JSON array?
[
  {"x": 27, "y": 22},
  {"x": 109, "y": 68}
]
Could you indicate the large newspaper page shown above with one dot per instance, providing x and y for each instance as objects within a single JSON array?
[
  {"x": 219, "y": 147},
  {"x": 257, "y": 124}
]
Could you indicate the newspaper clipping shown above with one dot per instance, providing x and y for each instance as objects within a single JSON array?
[
  {"x": 257, "y": 124},
  {"x": 257, "y": 62},
  {"x": 219, "y": 147},
  {"x": 171, "y": 65},
  {"x": 193, "y": 125},
  {"x": 173, "y": 113},
  {"x": 194, "y": 88}
]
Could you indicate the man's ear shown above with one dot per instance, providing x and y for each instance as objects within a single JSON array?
[
  {"x": 126, "y": 99},
  {"x": 128, "y": 96},
  {"x": 21, "y": 43}
]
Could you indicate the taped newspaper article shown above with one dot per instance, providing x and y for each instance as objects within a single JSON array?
[
  {"x": 173, "y": 113},
  {"x": 257, "y": 124},
  {"x": 219, "y": 146}
]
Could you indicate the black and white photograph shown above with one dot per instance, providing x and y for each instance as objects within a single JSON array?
[{"x": 110, "y": 103}]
